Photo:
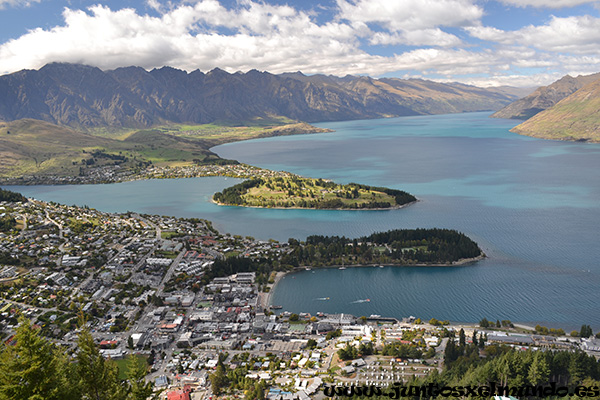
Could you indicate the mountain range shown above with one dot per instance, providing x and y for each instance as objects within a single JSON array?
[
  {"x": 84, "y": 97},
  {"x": 576, "y": 117},
  {"x": 568, "y": 109},
  {"x": 545, "y": 97}
]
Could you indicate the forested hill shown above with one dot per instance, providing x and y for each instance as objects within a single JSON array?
[
  {"x": 7, "y": 195},
  {"x": 400, "y": 246},
  {"x": 81, "y": 96},
  {"x": 396, "y": 247}
]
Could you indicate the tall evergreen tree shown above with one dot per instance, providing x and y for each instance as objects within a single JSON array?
[
  {"x": 585, "y": 331},
  {"x": 461, "y": 337},
  {"x": 218, "y": 379},
  {"x": 451, "y": 353},
  {"x": 98, "y": 377},
  {"x": 539, "y": 371},
  {"x": 577, "y": 367},
  {"x": 33, "y": 369},
  {"x": 136, "y": 374}
]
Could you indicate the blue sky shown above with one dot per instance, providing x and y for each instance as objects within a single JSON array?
[{"x": 480, "y": 42}]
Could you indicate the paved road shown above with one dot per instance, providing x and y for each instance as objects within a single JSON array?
[{"x": 170, "y": 272}]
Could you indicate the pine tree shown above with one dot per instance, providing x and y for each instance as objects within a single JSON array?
[
  {"x": 130, "y": 342},
  {"x": 136, "y": 374},
  {"x": 585, "y": 331},
  {"x": 461, "y": 337},
  {"x": 32, "y": 369},
  {"x": 481, "y": 342},
  {"x": 218, "y": 379},
  {"x": 538, "y": 370},
  {"x": 451, "y": 352},
  {"x": 98, "y": 377},
  {"x": 576, "y": 367}
]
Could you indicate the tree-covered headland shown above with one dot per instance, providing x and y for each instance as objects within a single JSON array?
[
  {"x": 399, "y": 246},
  {"x": 396, "y": 247},
  {"x": 7, "y": 195}
]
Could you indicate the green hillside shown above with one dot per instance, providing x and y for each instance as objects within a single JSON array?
[
  {"x": 30, "y": 147},
  {"x": 545, "y": 97},
  {"x": 576, "y": 117}
]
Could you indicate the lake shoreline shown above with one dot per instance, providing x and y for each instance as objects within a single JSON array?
[
  {"x": 267, "y": 296},
  {"x": 398, "y": 207}
]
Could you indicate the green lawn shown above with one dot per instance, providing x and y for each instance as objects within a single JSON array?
[
  {"x": 296, "y": 192},
  {"x": 122, "y": 365}
]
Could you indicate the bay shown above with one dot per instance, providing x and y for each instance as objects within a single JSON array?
[{"x": 531, "y": 204}]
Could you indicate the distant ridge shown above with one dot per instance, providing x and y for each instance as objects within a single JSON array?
[
  {"x": 545, "y": 97},
  {"x": 83, "y": 97},
  {"x": 576, "y": 117}
]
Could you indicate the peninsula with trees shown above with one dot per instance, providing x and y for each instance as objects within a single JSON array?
[{"x": 299, "y": 192}]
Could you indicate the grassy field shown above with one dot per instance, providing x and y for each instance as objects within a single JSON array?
[
  {"x": 122, "y": 365},
  {"x": 226, "y": 132},
  {"x": 304, "y": 189}
]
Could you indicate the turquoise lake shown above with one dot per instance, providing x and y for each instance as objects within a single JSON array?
[{"x": 533, "y": 206}]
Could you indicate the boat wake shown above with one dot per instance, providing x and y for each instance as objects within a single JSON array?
[
  {"x": 322, "y": 298},
  {"x": 361, "y": 301}
]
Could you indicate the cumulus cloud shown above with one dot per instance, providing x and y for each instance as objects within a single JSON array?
[
  {"x": 411, "y": 14},
  {"x": 155, "y": 5},
  {"x": 576, "y": 34},
  {"x": 421, "y": 37},
  {"x": 517, "y": 80},
  {"x": 263, "y": 36},
  {"x": 205, "y": 34},
  {"x": 547, "y": 3},
  {"x": 448, "y": 62}
]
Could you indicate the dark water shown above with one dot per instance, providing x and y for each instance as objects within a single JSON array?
[{"x": 533, "y": 206}]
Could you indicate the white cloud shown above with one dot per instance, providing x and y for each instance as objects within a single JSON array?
[
  {"x": 448, "y": 62},
  {"x": 422, "y": 37},
  {"x": 576, "y": 34},
  {"x": 265, "y": 37},
  {"x": 251, "y": 35},
  {"x": 489, "y": 33},
  {"x": 411, "y": 14},
  {"x": 17, "y": 3},
  {"x": 155, "y": 5},
  {"x": 547, "y": 3},
  {"x": 517, "y": 80}
]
